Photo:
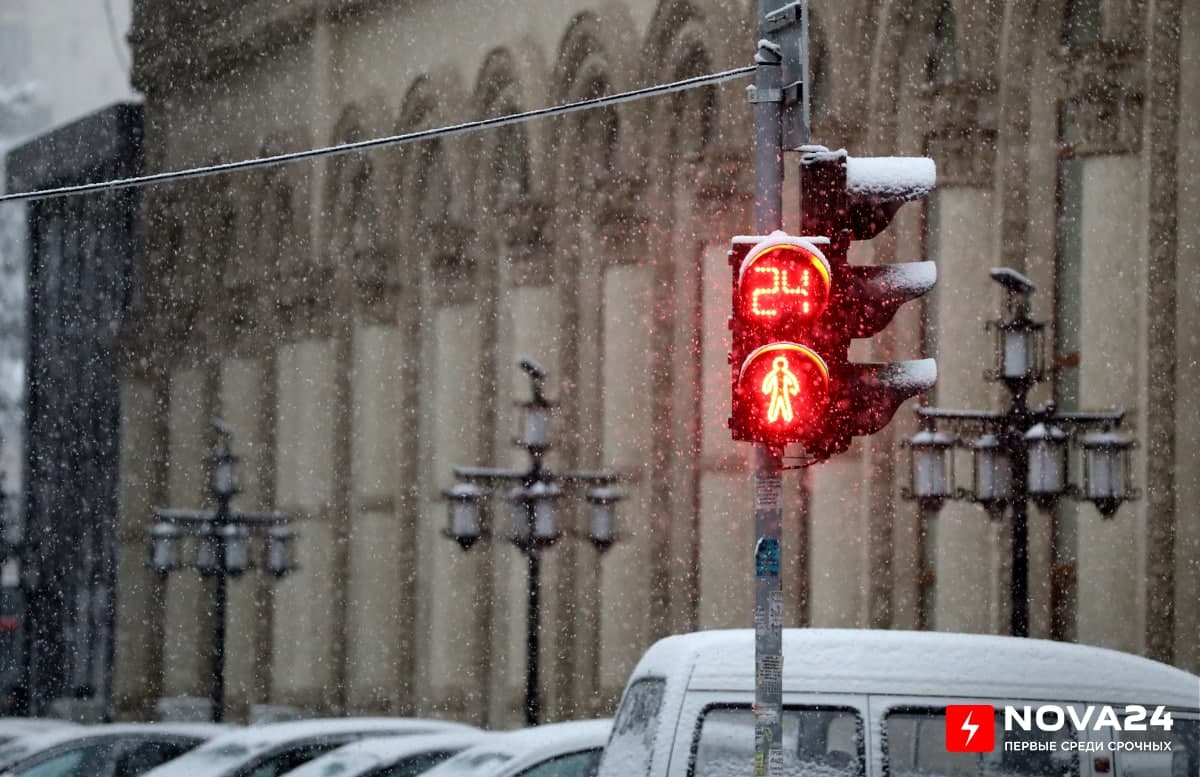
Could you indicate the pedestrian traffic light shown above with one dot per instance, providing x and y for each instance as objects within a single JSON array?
[
  {"x": 781, "y": 287},
  {"x": 798, "y": 302}
]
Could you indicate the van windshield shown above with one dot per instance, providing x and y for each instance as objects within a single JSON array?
[
  {"x": 817, "y": 742},
  {"x": 915, "y": 746}
]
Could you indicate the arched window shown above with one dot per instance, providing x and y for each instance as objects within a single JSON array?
[
  {"x": 942, "y": 65},
  {"x": 1083, "y": 23},
  {"x": 597, "y": 133},
  {"x": 695, "y": 109}
]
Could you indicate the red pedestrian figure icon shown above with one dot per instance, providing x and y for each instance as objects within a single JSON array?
[{"x": 780, "y": 385}]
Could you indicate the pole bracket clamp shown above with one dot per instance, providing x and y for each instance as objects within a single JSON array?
[{"x": 756, "y": 95}]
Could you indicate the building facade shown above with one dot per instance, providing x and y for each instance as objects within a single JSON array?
[{"x": 357, "y": 321}]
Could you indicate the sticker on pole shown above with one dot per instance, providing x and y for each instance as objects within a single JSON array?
[{"x": 766, "y": 558}]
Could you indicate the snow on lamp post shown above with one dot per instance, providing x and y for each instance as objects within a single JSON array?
[{"x": 1021, "y": 453}]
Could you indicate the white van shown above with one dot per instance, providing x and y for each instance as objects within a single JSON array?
[{"x": 872, "y": 703}]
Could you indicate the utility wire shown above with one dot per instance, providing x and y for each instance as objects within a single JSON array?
[{"x": 391, "y": 140}]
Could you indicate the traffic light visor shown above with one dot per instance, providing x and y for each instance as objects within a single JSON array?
[{"x": 783, "y": 279}]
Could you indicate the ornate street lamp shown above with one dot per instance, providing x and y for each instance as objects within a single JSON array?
[
  {"x": 1021, "y": 453},
  {"x": 225, "y": 538},
  {"x": 533, "y": 496}
]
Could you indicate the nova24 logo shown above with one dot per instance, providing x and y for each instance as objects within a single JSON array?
[{"x": 971, "y": 728}]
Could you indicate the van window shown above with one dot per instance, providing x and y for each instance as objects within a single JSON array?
[
  {"x": 1182, "y": 760},
  {"x": 914, "y": 745},
  {"x": 632, "y": 742},
  {"x": 825, "y": 741}
]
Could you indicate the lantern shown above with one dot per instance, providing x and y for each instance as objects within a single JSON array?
[
  {"x": 463, "y": 524},
  {"x": 280, "y": 551},
  {"x": 602, "y": 531},
  {"x": 932, "y": 467},
  {"x": 1106, "y": 470},
  {"x": 164, "y": 547},
  {"x": 1047, "y": 446},
  {"x": 992, "y": 476},
  {"x": 236, "y": 539}
]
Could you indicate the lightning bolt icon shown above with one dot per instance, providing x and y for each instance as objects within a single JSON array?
[{"x": 970, "y": 728}]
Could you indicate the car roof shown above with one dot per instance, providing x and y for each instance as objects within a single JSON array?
[
  {"x": 880, "y": 661},
  {"x": 528, "y": 746},
  {"x": 19, "y": 749},
  {"x": 20, "y": 727},
  {"x": 367, "y": 754},
  {"x": 228, "y": 752}
]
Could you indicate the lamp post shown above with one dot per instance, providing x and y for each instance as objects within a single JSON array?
[
  {"x": 1020, "y": 454},
  {"x": 533, "y": 495},
  {"x": 224, "y": 549}
]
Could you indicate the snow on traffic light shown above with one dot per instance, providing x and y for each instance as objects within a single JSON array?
[{"x": 798, "y": 302}]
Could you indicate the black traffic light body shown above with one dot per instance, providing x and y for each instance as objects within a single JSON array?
[{"x": 831, "y": 399}]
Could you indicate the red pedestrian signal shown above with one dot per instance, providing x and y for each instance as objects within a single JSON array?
[{"x": 781, "y": 393}]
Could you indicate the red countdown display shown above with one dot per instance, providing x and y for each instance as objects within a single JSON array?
[
  {"x": 781, "y": 393},
  {"x": 783, "y": 281}
]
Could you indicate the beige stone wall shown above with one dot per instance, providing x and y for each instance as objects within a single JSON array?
[{"x": 371, "y": 367}]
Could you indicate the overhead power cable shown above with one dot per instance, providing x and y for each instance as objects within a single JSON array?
[{"x": 391, "y": 140}]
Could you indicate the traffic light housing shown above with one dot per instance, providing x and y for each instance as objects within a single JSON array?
[{"x": 798, "y": 302}]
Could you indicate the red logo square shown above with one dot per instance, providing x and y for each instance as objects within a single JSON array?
[{"x": 970, "y": 728}]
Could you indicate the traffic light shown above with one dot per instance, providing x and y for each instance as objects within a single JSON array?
[{"x": 797, "y": 304}]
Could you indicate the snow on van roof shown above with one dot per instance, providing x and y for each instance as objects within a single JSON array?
[{"x": 924, "y": 663}]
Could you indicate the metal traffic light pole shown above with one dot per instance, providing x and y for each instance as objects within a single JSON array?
[{"x": 767, "y": 96}]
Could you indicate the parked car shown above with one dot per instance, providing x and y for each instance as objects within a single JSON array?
[
  {"x": 102, "y": 750},
  {"x": 861, "y": 703},
  {"x": 569, "y": 749},
  {"x": 405, "y": 756},
  {"x": 271, "y": 749},
  {"x": 13, "y": 728}
]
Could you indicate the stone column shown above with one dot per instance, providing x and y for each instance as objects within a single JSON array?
[
  {"x": 241, "y": 402},
  {"x": 379, "y": 562},
  {"x": 303, "y": 670},
  {"x": 1187, "y": 349},
  {"x": 187, "y": 665},
  {"x": 1113, "y": 296},
  {"x": 726, "y": 502},
  {"x": 140, "y": 603},
  {"x": 451, "y": 600},
  {"x": 627, "y": 441},
  {"x": 970, "y": 551}
]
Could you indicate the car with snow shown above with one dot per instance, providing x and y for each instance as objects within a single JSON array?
[
  {"x": 15, "y": 728},
  {"x": 102, "y": 750},
  {"x": 272, "y": 749},
  {"x": 569, "y": 749},
  {"x": 405, "y": 756},
  {"x": 873, "y": 703}
]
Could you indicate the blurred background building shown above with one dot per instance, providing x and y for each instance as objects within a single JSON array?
[
  {"x": 59, "y": 60},
  {"x": 357, "y": 323}
]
